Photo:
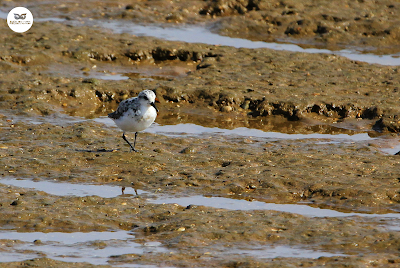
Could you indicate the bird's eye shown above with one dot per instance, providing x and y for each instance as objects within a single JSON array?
[{"x": 145, "y": 97}]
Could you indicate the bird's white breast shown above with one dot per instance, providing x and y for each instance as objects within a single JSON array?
[{"x": 139, "y": 121}]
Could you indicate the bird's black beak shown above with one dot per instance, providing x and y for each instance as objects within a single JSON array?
[{"x": 154, "y": 105}]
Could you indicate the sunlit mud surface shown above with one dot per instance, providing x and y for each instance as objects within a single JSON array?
[{"x": 276, "y": 143}]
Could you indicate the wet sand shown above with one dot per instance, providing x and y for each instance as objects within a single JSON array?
[{"x": 258, "y": 158}]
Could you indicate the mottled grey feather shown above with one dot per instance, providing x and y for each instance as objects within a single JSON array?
[{"x": 124, "y": 106}]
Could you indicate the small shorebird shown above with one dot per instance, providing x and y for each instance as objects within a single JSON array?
[{"x": 135, "y": 114}]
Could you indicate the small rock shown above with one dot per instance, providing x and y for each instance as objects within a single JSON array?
[
  {"x": 93, "y": 81},
  {"x": 189, "y": 150},
  {"x": 175, "y": 17},
  {"x": 225, "y": 164},
  {"x": 15, "y": 203},
  {"x": 226, "y": 109},
  {"x": 206, "y": 62},
  {"x": 245, "y": 105},
  {"x": 236, "y": 189}
]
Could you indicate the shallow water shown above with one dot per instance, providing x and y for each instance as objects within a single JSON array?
[
  {"x": 107, "y": 191},
  {"x": 200, "y": 34},
  {"x": 77, "y": 247},
  {"x": 280, "y": 251},
  {"x": 237, "y": 204},
  {"x": 388, "y": 145},
  {"x": 196, "y": 130},
  {"x": 192, "y": 129},
  {"x": 71, "y": 189},
  {"x": 99, "y": 247}
]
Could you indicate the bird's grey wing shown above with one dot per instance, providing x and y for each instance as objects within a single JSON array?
[{"x": 123, "y": 107}]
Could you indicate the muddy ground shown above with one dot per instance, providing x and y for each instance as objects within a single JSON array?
[
  {"x": 366, "y": 25},
  {"x": 45, "y": 76}
]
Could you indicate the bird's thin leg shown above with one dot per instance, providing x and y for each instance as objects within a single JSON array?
[
  {"x": 132, "y": 147},
  {"x": 134, "y": 143}
]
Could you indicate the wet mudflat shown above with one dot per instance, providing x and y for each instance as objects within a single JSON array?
[{"x": 258, "y": 158}]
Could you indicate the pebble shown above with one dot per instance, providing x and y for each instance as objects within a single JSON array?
[
  {"x": 189, "y": 150},
  {"x": 226, "y": 109}
]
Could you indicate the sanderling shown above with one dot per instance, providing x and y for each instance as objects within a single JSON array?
[{"x": 135, "y": 114}]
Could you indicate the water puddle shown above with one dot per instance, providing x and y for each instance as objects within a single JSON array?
[
  {"x": 200, "y": 34},
  {"x": 106, "y": 191},
  {"x": 198, "y": 130},
  {"x": 280, "y": 251},
  {"x": 281, "y": 130},
  {"x": 93, "y": 247},
  {"x": 98, "y": 248},
  {"x": 3, "y": 15},
  {"x": 70, "y": 189},
  {"x": 386, "y": 144},
  {"x": 192, "y": 129},
  {"x": 237, "y": 204}
]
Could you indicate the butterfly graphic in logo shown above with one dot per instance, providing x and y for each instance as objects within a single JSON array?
[{"x": 19, "y": 16}]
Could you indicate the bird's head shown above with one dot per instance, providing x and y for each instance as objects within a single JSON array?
[{"x": 149, "y": 97}]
